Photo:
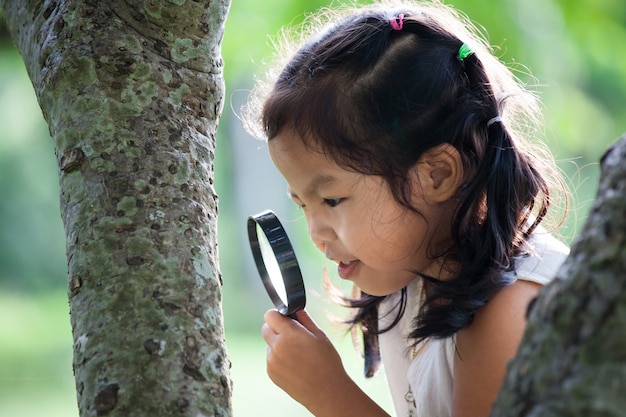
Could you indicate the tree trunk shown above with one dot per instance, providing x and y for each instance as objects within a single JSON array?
[
  {"x": 132, "y": 91},
  {"x": 572, "y": 360}
]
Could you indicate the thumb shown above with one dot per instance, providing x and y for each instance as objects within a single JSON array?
[{"x": 308, "y": 323}]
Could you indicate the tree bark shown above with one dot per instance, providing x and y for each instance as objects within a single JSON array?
[
  {"x": 132, "y": 92},
  {"x": 572, "y": 360}
]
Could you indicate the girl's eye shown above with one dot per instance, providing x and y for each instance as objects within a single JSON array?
[{"x": 332, "y": 202}]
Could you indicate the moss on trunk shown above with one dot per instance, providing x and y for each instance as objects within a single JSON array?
[{"x": 132, "y": 92}]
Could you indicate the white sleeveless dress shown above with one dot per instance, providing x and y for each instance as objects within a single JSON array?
[{"x": 430, "y": 373}]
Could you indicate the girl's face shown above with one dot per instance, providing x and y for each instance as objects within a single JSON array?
[{"x": 353, "y": 218}]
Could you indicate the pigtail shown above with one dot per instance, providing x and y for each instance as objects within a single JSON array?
[
  {"x": 512, "y": 183},
  {"x": 491, "y": 225}
]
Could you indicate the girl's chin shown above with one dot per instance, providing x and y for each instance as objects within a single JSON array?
[{"x": 376, "y": 285}]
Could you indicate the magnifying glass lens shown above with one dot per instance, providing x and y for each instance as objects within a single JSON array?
[
  {"x": 276, "y": 262},
  {"x": 271, "y": 265}
]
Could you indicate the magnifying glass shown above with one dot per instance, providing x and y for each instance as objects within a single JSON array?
[{"x": 276, "y": 262}]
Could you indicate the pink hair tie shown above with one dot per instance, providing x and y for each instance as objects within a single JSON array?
[{"x": 397, "y": 22}]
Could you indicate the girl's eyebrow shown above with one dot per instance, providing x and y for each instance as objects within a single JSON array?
[{"x": 318, "y": 183}]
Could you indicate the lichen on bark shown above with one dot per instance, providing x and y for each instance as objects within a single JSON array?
[{"x": 132, "y": 92}]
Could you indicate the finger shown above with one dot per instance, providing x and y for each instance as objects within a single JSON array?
[
  {"x": 308, "y": 323},
  {"x": 277, "y": 321},
  {"x": 268, "y": 334}
]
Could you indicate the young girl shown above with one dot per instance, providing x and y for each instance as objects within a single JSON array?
[{"x": 404, "y": 141}]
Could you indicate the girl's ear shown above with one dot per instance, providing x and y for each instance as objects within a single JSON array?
[{"x": 440, "y": 173}]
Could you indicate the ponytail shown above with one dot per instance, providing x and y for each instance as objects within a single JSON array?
[{"x": 492, "y": 223}]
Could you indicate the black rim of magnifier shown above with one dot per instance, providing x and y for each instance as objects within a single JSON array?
[{"x": 286, "y": 257}]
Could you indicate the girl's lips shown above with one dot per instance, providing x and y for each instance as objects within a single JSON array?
[{"x": 345, "y": 270}]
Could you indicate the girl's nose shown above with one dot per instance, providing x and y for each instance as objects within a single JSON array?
[
  {"x": 320, "y": 232},
  {"x": 320, "y": 245}
]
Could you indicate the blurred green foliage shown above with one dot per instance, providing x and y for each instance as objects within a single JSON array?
[{"x": 573, "y": 48}]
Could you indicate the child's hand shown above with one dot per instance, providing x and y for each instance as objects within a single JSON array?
[{"x": 301, "y": 360}]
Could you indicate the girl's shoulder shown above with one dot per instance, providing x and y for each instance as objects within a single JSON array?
[
  {"x": 504, "y": 316},
  {"x": 484, "y": 348}
]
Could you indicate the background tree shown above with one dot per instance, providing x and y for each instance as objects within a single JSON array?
[{"x": 132, "y": 92}]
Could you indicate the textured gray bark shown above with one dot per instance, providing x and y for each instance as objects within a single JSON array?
[
  {"x": 572, "y": 360},
  {"x": 132, "y": 91}
]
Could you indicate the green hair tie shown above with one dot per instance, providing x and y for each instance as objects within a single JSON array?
[{"x": 464, "y": 52}]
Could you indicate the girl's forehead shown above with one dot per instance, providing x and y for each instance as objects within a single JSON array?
[
  {"x": 288, "y": 139},
  {"x": 287, "y": 146},
  {"x": 306, "y": 170},
  {"x": 295, "y": 161}
]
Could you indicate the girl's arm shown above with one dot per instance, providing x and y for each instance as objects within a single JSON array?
[
  {"x": 304, "y": 363},
  {"x": 485, "y": 347}
]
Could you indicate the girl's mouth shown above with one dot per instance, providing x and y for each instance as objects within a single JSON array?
[{"x": 346, "y": 269}]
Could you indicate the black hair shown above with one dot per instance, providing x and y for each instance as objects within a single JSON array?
[{"x": 374, "y": 98}]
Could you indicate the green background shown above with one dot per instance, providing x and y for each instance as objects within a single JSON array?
[{"x": 574, "y": 48}]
